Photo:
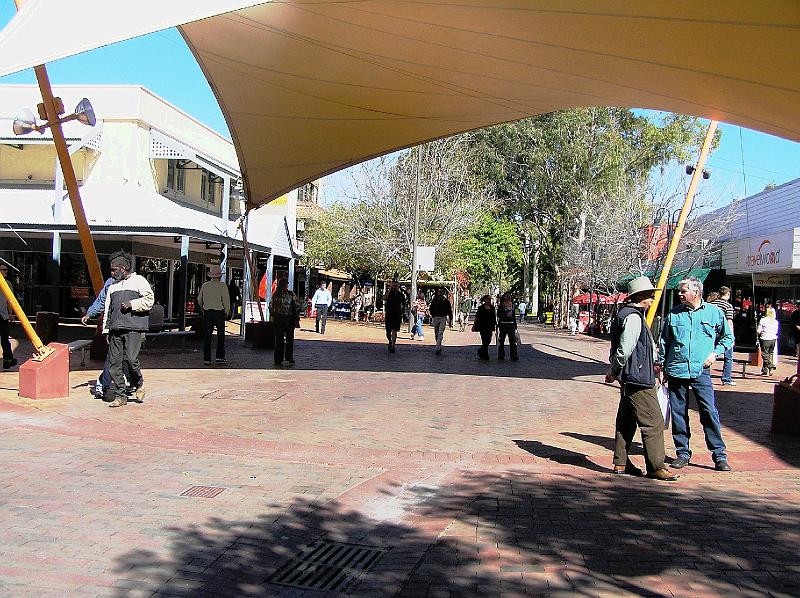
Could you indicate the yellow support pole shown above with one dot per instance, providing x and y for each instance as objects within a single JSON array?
[
  {"x": 41, "y": 350},
  {"x": 70, "y": 180},
  {"x": 687, "y": 207}
]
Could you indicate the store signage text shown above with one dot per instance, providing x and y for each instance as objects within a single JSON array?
[{"x": 766, "y": 255}]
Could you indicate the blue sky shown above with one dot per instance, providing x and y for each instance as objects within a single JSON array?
[{"x": 162, "y": 63}]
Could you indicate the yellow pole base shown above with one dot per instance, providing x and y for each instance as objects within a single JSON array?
[{"x": 44, "y": 353}]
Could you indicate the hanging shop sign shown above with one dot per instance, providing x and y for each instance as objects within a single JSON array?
[
  {"x": 769, "y": 252},
  {"x": 772, "y": 280}
]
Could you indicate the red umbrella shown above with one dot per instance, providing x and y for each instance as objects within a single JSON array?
[{"x": 599, "y": 299}]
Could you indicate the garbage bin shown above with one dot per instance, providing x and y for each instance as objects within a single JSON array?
[{"x": 47, "y": 326}]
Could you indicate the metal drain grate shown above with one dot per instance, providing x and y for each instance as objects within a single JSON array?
[
  {"x": 330, "y": 566},
  {"x": 203, "y": 491}
]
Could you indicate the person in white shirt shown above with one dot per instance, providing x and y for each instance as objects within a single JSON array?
[
  {"x": 322, "y": 300},
  {"x": 768, "y": 337}
]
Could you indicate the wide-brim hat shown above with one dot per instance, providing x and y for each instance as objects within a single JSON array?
[
  {"x": 214, "y": 271},
  {"x": 642, "y": 284}
]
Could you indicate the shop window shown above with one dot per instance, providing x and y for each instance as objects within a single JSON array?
[{"x": 176, "y": 176}]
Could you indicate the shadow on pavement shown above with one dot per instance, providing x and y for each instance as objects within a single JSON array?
[
  {"x": 505, "y": 534},
  {"x": 559, "y": 455},
  {"x": 348, "y": 356}
]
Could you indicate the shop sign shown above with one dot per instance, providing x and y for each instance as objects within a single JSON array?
[
  {"x": 771, "y": 252},
  {"x": 772, "y": 280}
]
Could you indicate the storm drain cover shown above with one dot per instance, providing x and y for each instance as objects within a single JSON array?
[
  {"x": 329, "y": 566},
  {"x": 203, "y": 491}
]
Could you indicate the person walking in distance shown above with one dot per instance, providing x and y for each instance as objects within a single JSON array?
[
  {"x": 284, "y": 309},
  {"x": 633, "y": 365},
  {"x": 506, "y": 327},
  {"x": 767, "y": 333},
  {"x": 723, "y": 302},
  {"x": 5, "y": 324},
  {"x": 214, "y": 300},
  {"x": 574, "y": 314},
  {"x": 418, "y": 312},
  {"x": 125, "y": 320},
  {"x": 235, "y": 296},
  {"x": 394, "y": 305},
  {"x": 693, "y": 334},
  {"x": 321, "y": 301},
  {"x": 485, "y": 323},
  {"x": 463, "y": 312},
  {"x": 441, "y": 311}
]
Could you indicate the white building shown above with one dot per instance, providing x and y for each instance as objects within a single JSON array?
[
  {"x": 154, "y": 181},
  {"x": 761, "y": 255}
]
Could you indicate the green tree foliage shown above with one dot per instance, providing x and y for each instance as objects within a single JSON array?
[
  {"x": 555, "y": 172},
  {"x": 491, "y": 253}
]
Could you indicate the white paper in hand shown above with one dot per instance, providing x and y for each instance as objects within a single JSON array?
[{"x": 663, "y": 402}]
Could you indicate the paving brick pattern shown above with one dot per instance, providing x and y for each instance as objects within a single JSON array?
[{"x": 484, "y": 479}]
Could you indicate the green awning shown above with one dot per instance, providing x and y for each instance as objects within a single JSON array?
[
  {"x": 678, "y": 275},
  {"x": 672, "y": 281}
]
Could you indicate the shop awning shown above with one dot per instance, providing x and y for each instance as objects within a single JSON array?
[
  {"x": 308, "y": 88},
  {"x": 677, "y": 276},
  {"x": 334, "y": 274},
  {"x": 673, "y": 280}
]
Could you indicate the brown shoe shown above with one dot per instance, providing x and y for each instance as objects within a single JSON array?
[
  {"x": 663, "y": 475},
  {"x": 628, "y": 469},
  {"x": 119, "y": 402}
]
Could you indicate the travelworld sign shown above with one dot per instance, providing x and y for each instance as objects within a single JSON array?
[{"x": 770, "y": 252}]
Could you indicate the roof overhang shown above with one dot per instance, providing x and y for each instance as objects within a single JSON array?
[{"x": 308, "y": 88}]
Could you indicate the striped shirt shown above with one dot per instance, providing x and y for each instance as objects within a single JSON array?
[{"x": 726, "y": 308}]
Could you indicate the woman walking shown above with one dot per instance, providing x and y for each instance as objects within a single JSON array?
[
  {"x": 394, "y": 304},
  {"x": 506, "y": 327},
  {"x": 485, "y": 323},
  {"x": 284, "y": 309},
  {"x": 419, "y": 309},
  {"x": 767, "y": 337}
]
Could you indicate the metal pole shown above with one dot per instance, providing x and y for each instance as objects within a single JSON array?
[
  {"x": 84, "y": 234},
  {"x": 687, "y": 207},
  {"x": 41, "y": 350},
  {"x": 414, "y": 264}
]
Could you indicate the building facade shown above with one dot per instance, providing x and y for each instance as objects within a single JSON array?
[
  {"x": 760, "y": 256},
  {"x": 154, "y": 182}
]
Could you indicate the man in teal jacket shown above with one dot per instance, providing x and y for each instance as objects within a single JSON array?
[{"x": 692, "y": 336}]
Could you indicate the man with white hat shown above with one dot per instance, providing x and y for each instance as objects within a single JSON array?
[
  {"x": 633, "y": 364},
  {"x": 215, "y": 301}
]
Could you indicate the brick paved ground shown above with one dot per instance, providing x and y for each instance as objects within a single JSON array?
[{"x": 475, "y": 478}]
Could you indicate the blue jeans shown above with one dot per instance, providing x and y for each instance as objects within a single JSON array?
[
  {"x": 417, "y": 328},
  {"x": 709, "y": 416},
  {"x": 727, "y": 367}
]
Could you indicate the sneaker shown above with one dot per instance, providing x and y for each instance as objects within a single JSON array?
[
  {"x": 99, "y": 392},
  {"x": 221, "y": 360},
  {"x": 10, "y": 363},
  {"x": 138, "y": 394},
  {"x": 722, "y": 465},
  {"x": 679, "y": 463},
  {"x": 207, "y": 362},
  {"x": 729, "y": 383},
  {"x": 118, "y": 402},
  {"x": 438, "y": 351}
]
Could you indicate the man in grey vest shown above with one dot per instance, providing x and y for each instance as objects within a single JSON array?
[{"x": 632, "y": 364}]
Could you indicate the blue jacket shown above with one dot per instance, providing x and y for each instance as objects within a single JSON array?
[
  {"x": 96, "y": 308},
  {"x": 689, "y": 336}
]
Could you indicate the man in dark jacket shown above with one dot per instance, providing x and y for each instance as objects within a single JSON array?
[
  {"x": 128, "y": 303},
  {"x": 441, "y": 311},
  {"x": 632, "y": 364}
]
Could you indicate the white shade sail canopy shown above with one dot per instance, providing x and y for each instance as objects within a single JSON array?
[{"x": 310, "y": 87}]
